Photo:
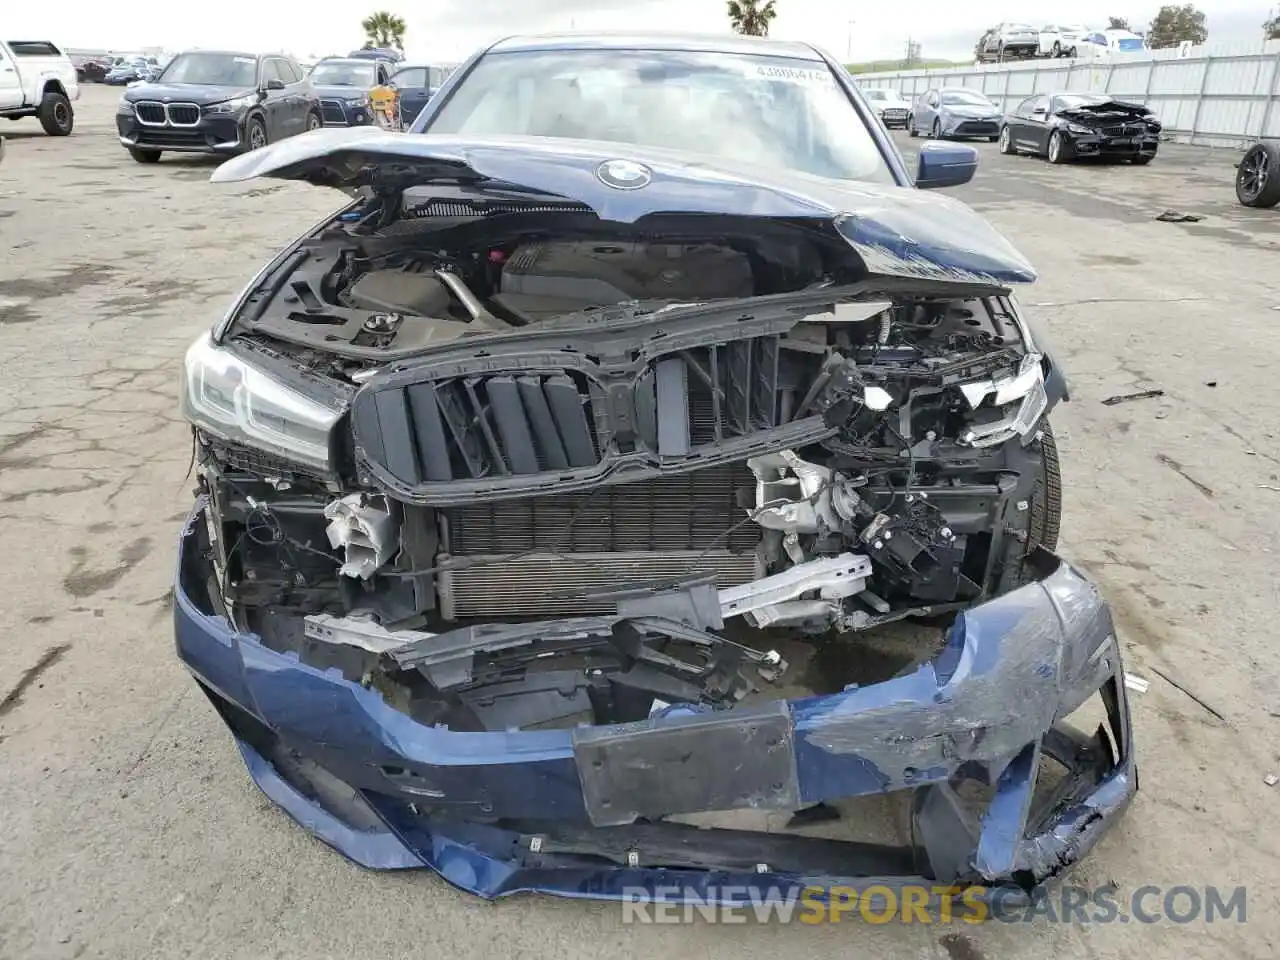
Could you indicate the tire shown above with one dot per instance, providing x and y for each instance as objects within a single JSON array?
[
  {"x": 936, "y": 132},
  {"x": 1258, "y": 176},
  {"x": 1055, "y": 151},
  {"x": 1006, "y": 142},
  {"x": 1057, "y": 49},
  {"x": 56, "y": 115},
  {"x": 255, "y": 133},
  {"x": 144, "y": 156},
  {"x": 993, "y": 139},
  {"x": 911, "y": 126},
  {"x": 314, "y": 122},
  {"x": 1141, "y": 161}
]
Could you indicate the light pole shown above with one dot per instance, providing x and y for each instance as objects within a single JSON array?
[{"x": 848, "y": 43}]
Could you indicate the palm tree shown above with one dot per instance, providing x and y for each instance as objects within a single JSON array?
[
  {"x": 749, "y": 18},
  {"x": 383, "y": 29}
]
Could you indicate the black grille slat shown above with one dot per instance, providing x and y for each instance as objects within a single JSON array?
[
  {"x": 433, "y": 448},
  {"x": 150, "y": 112},
  {"x": 465, "y": 442},
  {"x": 765, "y": 384},
  {"x": 571, "y": 417},
  {"x": 738, "y": 386},
  {"x": 187, "y": 114},
  {"x": 547, "y": 439},
  {"x": 513, "y": 424},
  {"x": 397, "y": 435},
  {"x": 331, "y": 111},
  {"x": 480, "y": 417}
]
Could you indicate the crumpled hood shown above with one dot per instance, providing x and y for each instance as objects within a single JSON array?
[
  {"x": 1111, "y": 107},
  {"x": 897, "y": 231},
  {"x": 187, "y": 92}
]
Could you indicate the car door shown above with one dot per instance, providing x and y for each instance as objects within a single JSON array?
[
  {"x": 412, "y": 91},
  {"x": 297, "y": 95},
  {"x": 10, "y": 82},
  {"x": 276, "y": 102},
  {"x": 1035, "y": 125}
]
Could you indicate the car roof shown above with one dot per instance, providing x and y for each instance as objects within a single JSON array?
[
  {"x": 690, "y": 42},
  {"x": 362, "y": 61},
  {"x": 232, "y": 53}
]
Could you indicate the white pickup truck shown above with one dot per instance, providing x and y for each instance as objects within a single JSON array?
[{"x": 38, "y": 80}]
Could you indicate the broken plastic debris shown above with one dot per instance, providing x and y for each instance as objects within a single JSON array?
[
  {"x": 1177, "y": 216},
  {"x": 1126, "y": 397},
  {"x": 1136, "y": 683},
  {"x": 363, "y": 527},
  {"x": 1271, "y": 779}
]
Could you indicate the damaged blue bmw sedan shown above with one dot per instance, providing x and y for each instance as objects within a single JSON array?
[{"x": 638, "y": 368}]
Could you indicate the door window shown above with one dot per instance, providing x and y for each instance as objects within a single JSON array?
[
  {"x": 414, "y": 78},
  {"x": 270, "y": 72},
  {"x": 287, "y": 72}
]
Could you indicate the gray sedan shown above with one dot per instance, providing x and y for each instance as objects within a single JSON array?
[{"x": 954, "y": 112}]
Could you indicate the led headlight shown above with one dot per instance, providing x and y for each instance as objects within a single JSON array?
[
  {"x": 241, "y": 403},
  {"x": 125, "y": 108},
  {"x": 1078, "y": 128},
  {"x": 232, "y": 106}
]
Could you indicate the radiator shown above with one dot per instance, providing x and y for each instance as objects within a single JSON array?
[{"x": 608, "y": 538}]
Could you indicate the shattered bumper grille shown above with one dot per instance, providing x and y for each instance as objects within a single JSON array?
[{"x": 554, "y": 810}]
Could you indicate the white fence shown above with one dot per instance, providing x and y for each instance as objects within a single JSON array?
[{"x": 1212, "y": 100}]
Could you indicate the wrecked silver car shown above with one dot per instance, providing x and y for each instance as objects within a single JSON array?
[{"x": 525, "y": 478}]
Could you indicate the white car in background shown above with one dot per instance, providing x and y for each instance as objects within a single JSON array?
[
  {"x": 888, "y": 105},
  {"x": 1106, "y": 42},
  {"x": 1057, "y": 40}
]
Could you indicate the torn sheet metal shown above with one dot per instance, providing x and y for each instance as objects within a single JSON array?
[
  {"x": 363, "y": 526},
  {"x": 363, "y": 632}
]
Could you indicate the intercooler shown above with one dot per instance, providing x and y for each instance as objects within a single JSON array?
[{"x": 542, "y": 556}]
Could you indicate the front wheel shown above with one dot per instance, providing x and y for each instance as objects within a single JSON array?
[
  {"x": 1258, "y": 176},
  {"x": 56, "y": 115},
  {"x": 313, "y": 122},
  {"x": 1006, "y": 142},
  {"x": 1142, "y": 161},
  {"x": 911, "y": 127},
  {"x": 144, "y": 156},
  {"x": 936, "y": 132},
  {"x": 1057, "y": 150},
  {"x": 1057, "y": 49},
  {"x": 256, "y": 134}
]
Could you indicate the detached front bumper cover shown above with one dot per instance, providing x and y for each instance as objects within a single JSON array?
[{"x": 577, "y": 812}]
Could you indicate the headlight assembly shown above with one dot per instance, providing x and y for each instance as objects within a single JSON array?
[
  {"x": 241, "y": 403},
  {"x": 232, "y": 106},
  {"x": 1079, "y": 129},
  {"x": 125, "y": 107}
]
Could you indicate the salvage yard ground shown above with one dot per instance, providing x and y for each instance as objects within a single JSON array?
[{"x": 130, "y": 828}]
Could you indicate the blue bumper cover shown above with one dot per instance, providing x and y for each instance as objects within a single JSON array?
[{"x": 503, "y": 812}]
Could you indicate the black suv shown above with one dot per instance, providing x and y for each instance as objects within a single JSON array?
[
  {"x": 343, "y": 85},
  {"x": 217, "y": 102}
]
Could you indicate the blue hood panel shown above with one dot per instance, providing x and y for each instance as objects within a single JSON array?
[{"x": 897, "y": 231}]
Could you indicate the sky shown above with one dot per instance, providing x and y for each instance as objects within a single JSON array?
[{"x": 448, "y": 30}]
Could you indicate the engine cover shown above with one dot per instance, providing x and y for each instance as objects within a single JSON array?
[{"x": 597, "y": 273}]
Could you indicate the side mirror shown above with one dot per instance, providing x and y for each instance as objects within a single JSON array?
[
  {"x": 274, "y": 85},
  {"x": 945, "y": 165}
]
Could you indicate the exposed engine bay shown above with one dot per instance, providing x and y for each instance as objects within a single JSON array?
[{"x": 556, "y": 459}]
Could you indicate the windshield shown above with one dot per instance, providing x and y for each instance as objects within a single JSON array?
[
  {"x": 1020, "y": 28},
  {"x": 772, "y": 111},
  {"x": 968, "y": 98},
  {"x": 344, "y": 74},
  {"x": 1071, "y": 100},
  {"x": 215, "y": 69}
]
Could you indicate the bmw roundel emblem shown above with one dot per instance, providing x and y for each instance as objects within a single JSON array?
[{"x": 624, "y": 174}]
